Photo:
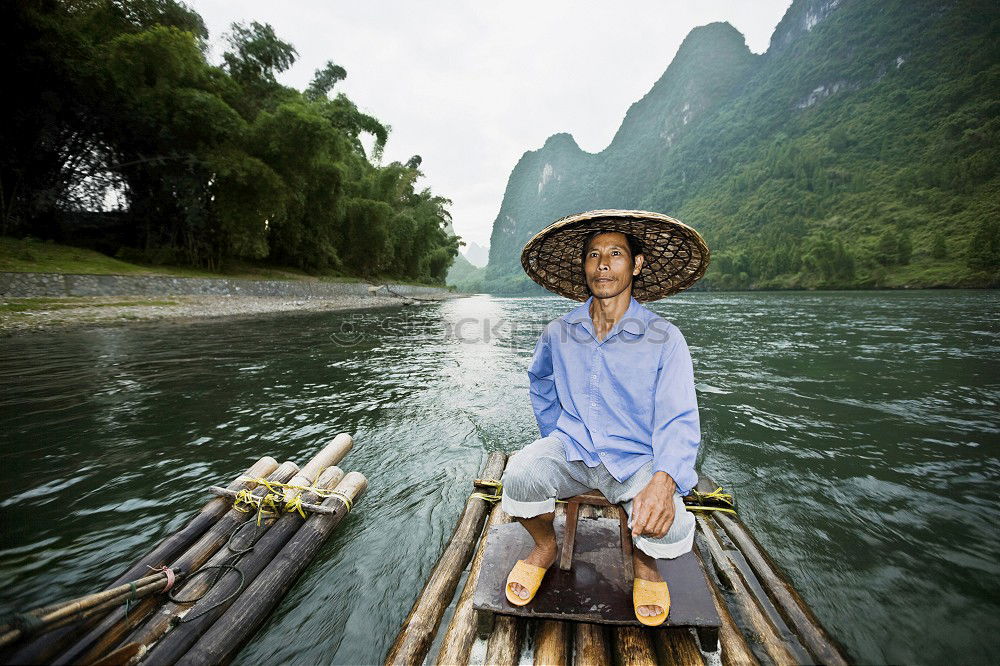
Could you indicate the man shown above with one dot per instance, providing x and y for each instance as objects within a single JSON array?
[{"x": 612, "y": 388}]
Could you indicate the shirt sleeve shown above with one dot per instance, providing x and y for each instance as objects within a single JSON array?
[
  {"x": 542, "y": 387},
  {"x": 676, "y": 426}
]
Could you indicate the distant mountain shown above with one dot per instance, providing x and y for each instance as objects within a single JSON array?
[
  {"x": 464, "y": 275},
  {"x": 861, "y": 150},
  {"x": 477, "y": 255}
]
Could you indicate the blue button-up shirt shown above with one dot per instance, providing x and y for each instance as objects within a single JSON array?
[{"x": 620, "y": 401}]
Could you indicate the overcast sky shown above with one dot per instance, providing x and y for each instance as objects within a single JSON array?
[{"x": 471, "y": 85}]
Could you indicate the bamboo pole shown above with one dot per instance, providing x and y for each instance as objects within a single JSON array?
[
  {"x": 633, "y": 647},
  {"x": 250, "y": 610},
  {"x": 676, "y": 646},
  {"x": 43, "y": 649},
  {"x": 461, "y": 632},
  {"x": 171, "y": 547},
  {"x": 116, "y": 603},
  {"x": 590, "y": 645},
  {"x": 100, "y": 609},
  {"x": 161, "y": 622},
  {"x": 789, "y": 603},
  {"x": 785, "y": 598},
  {"x": 331, "y": 454},
  {"x": 732, "y": 644},
  {"x": 123, "y": 655},
  {"x": 210, "y": 607},
  {"x": 52, "y": 614},
  {"x": 102, "y": 638},
  {"x": 417, "y": 633},
  {"x": 772, "y": 642},
  {"x": 552, "y": 643},
  {"x": 504, "y": 645}
]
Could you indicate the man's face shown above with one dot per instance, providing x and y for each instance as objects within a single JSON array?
[{"x": 608, "y": 266}]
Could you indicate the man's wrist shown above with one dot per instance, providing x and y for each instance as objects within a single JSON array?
[{"x": 663, "y": 479}]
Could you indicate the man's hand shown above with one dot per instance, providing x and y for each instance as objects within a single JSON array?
[{"x": 653, "y": 507}]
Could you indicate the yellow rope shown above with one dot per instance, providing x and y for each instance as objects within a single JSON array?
[
  {"x": 343, "y": 497},
  {"x": 492, "y": 498},
  {"x": 717, "y": 497},
  {"x": 275, "y": 486},
  {"x": 692, "y": 507},
  {"x": 716, "y": 494},
  {"x": 243, "y": 497},
  {"x": 266, "y": 505},
  {"x": 295, "y": 505}
]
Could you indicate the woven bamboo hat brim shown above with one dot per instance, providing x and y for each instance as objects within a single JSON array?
[{"x": 676, "y": 256}]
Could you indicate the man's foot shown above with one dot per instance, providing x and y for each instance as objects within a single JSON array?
[
  {"x": 542, "y": 555},
  {"x": 645, "y": 569}
]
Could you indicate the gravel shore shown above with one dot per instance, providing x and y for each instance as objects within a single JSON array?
[{"x": 22, "y": 315}]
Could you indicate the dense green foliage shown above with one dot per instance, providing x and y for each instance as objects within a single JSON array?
[
  {"x": 211, "y": 163},
  {"x": 862, "y": 150}
]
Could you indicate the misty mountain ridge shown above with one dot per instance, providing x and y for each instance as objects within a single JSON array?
[{"x": 860, "y": 150}]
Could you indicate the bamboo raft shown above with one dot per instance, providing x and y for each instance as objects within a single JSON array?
[
  {"x": 763, "y": 619},
  {"x": 202, "y": 593}
]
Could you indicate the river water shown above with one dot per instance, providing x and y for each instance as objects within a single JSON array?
[{"x": 858, "y": 430}]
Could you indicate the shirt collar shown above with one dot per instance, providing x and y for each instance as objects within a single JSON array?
[{"x": 633, "y": 321}]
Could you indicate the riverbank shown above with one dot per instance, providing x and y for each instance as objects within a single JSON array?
[{"x": 40, "y": 301}]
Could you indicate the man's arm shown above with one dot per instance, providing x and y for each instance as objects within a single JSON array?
[
  {"x": 542, "y": 386},
  {"x": 676, "y": 436},
  {"x": 676, "y": 426}
]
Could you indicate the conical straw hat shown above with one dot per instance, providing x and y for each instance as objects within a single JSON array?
[{"x": 676, "y": 256}]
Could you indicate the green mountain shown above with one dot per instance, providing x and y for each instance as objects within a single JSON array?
[
  {"x": 861, "y": 150},
  {"x": 464, "y": 275}
]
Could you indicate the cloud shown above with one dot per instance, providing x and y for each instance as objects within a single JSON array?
[{"x": 470, "y": 86}]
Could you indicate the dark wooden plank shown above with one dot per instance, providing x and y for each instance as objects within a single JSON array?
[{"x": 596, "y": 588}]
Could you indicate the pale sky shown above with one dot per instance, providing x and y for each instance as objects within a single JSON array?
[{"x": 470, "y": 86}]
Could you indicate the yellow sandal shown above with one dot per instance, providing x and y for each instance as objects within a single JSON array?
[
  {"x": 527, "y": 575},
  {"x": 649, "y": 593}
]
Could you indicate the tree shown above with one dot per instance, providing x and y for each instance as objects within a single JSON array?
[
  {"x": 257, "y": 54},
  {"x": 887, "y": 249},
  {"x": 984, "y": 246},
  {"x": 324, "y": 80},
  {"x": 939, "y": 250},
  {"x": 213, "y": 162},
  {"x": 904, "y": 248}
]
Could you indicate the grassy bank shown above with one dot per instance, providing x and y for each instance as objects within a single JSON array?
[{"x": 34, "y": 256}]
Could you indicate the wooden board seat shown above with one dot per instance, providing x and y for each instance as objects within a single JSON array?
[{"x": 596, "y": 588}]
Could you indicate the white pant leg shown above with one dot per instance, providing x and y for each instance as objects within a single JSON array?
[
  {"x": 679, "y": 538},
  {"x": 539, "y": 474}
]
